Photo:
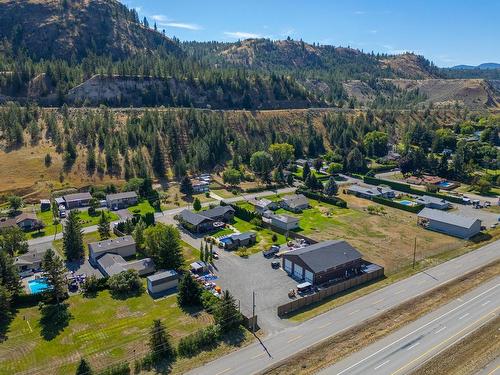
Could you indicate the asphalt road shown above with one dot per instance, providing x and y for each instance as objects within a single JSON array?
[
  {"x": 277, "y": 347},
  {"x": 411, "y": 346}
]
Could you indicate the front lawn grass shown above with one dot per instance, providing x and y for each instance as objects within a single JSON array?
[
  {"x": 88, "y": 220},
  {"x": 103, "y": 329},
  {"x": 141, "y": 208},
  {"x": 57, "y": 245},
  {"x": 264, "y": 237}
]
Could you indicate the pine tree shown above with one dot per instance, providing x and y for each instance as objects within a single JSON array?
[
  {"x": 158, "y": 159},
  {"x": 159, "y": 341},
  {"x": 9, "y": 276},
  {"x": 55, "y": 273},
  {"x": 139, "y": 233},
  {"x": 211, "y": 254},
  {"x": 189, "y": 291},
  {"x": 331, "y": 187},
  {"x": 73, "y": 237},
  {"x": 84, "y": 368},
  {"x": 186, "y": 186},
  {"x": 306, "y": 171},
  {"x": 103, "y": 227},
  {"x": 197, "y": 204},
  {"x": 226, "y": 314},
  {"x": 202, "y": 252}
]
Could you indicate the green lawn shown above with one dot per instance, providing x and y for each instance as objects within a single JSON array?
[
  {"x": 141, "y": 208},
  {"x": 313, "y": 171},
  {"x": 101, "y": 329},
  {"x": 264, "y": 236},
  {"x": 57, "y": 245},
  {"x": 88, "y": 220}
]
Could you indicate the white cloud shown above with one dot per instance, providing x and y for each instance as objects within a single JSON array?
[
  {"x": 160, "y": 19},
  {"x": 359, "y": 12},
  {"x": 391, "y": 50},
  {"x": 287, "y": 32},
  {"x": 373, "y": 31},
  {"x": 182, "y": 25},
  {"x": 241, "y": 35}
]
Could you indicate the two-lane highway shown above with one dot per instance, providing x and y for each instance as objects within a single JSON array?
[
  {"x": 280, "y": 346},
  {"x": 411, "y": 346}
]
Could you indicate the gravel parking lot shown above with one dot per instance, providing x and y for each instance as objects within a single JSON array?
[
  {"x": 487, "y": 218},
  {"x": 241, "y": 276}
]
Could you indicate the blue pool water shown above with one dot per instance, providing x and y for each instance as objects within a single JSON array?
[
  {"x": 444, "y": 184},
  {"x": 38, "y": 286},
  {"x": 407, "y": 203}
]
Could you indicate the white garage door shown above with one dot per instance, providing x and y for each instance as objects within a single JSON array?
[
  {"x": 297, "y": 271},
  {"x": 308, "y": 276},
  {"x": 288, "y": 266}
]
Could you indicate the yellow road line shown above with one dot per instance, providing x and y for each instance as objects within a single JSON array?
[
  {"x": 294, "y": 339},
  {"x": 443, "y": 342}
]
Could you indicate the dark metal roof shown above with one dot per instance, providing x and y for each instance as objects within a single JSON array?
[
  {"x": 325, "y": 255},
  {"x": 77, "y": 197},
  {"x": 124, "y": 195},
  {"x": 193, "y": 218},
  {"x": 243, "y": 236},
  {"x": 217, "y": 211},
  {"x": 162, "y": 277}
]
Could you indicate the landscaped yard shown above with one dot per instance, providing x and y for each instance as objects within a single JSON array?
[
  {"x": 57, "y": 245},
  {"x": 103, "y": 329},
  {"x": 264, "y": 236},
  {"x": 141, "y": 208},
  {"x": 386, "y": 239}
]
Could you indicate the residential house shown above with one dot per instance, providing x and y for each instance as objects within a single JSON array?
[
  {"x": 30, "y": 262},
  {"x": 77, "y": 200},
  {"x": 284, "y": 222},
  {"x": 162, "y": 281},
  {"x": 322, "y": 262},
  {"x": 262, "y": 205},
  {"x": 25, "y": 221},
  {"x": 121, "y": 200},
  {"x": 433, "y": 202},
  {"x": 370, "y": 191},
  {"x": 448, "y": 223},
  {"x": 203, "y": 221},
  {"x": 45, "y": 205},
  {"x": 235, "y": 241},
  {"x": 200, "y": 186},
  {"x": 112, "y": 264},
  {"x": 295, "y": 202},
  {"x": 123, "y": 246}
]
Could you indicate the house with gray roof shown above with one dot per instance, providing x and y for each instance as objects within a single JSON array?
[
  {"x": 112, "y": 264},
  {"x": 203, "y": 221},
  {"x": 235, "y": 241},
  {"x": 26, "y": 221},
  {"x": 433, "y": 202},
  {"x": 448, "y": 223},
  {"x": 323, "y": 261},
  {"x": 368, "y": 192},
  {"x": 31, "y": 261},
  {"x": 295, "y": 202},
  {"x": 262, "y": 205},
  {"x": 121, "y": 200},
  {"x": 77, "y": 200},
  {"x": 284, "y": 222},
  {"x": 123, "y": 246}
]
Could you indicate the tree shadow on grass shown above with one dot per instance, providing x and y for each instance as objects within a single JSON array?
[
  {"x": 123, "y": 295},
  {"x": 193, "y": 311},
  {"x": 54, "y": 319},
  {"x": 5, "y": 320},
  {"x": 234, "y": 337}
]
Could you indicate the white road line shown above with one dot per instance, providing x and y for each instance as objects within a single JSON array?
[
  {"x": 258, "y": 355},
  {"x": 418, "y": 329},
  {"x": 354, "y": 312},
  {"x": 439, "y": 330},
  {"x": 463, "y": 316},
  {"x": 411, "y": 347},
  {"x": 29, "y": 326},
  {"x": 383, "y": 363},
  {"x": 325, "y": 325},
  {"x": 223, "y": 371},
  {"x": 484, "y": 304},
  {"x": 380, "y": 300},
  {"x": 294, "y": 339},
  {"x": 399, "y": 291}
]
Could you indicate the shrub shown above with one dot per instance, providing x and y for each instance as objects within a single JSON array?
[
  {"x": 119, "y": 369},
  {"x": 198, "y": 341},
  {"x": 92, "y": 285},
  {"x": 125, "y": 282},
  {"x": 256, "y": 221},
  {"x": 339, "y": 202},
  {"x": 209, "y": 301}
]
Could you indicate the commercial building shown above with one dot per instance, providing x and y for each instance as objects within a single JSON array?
[
  {"x": 123, "y": 246},
  {"x": 322, "y": 262},
  {"x": 448, "y": 223},
  {"x": 121, "y": 200},
  {"x": 162, "y": 281},
  {"x": 77, "y": 200}
]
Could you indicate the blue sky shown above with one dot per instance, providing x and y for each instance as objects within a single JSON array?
[{"x": 448, "y": 32}]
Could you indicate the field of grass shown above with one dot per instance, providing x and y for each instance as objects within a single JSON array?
[
  {"x": 264, "y": 236},
  {"x": 313, "y": 171},
  {"x": 386, "y": 239},
  {"x": 103, "y": 329},
  {"x": 141, "y": 208}
]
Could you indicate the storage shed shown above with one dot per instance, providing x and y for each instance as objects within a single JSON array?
[
  {"x": 162, "y": 281},
  {"x": 451, "y": 224}
]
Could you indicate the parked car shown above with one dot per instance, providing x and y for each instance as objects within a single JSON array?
[
  {"x": 275, "y": 264},
  {"x": 271, "y": 252},
  {"x": 215, "y": 255}
]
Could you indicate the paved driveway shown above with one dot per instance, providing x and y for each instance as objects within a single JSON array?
[
  {"x": 242, "y": 276},
  {"x": 486, "y": 217}
]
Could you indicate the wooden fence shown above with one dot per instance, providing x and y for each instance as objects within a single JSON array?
[{"x": 294, "y": 305}]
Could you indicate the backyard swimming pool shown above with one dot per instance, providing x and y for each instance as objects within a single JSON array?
[
  {"x": 407, "y": 202},
  {"x": 38, "y": 286},
  {"x": 444, "y": 184}
]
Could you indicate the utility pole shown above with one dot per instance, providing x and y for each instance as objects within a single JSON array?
[
  {"x": 414, "y": 252},
  {"x": 253, "y": 311}
]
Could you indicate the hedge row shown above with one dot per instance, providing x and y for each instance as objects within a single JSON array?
[
  {"x": 243, "y": 213},
  {"x": 406, "y": 188},
  {"x": 323, "y": 198},
  {"x": 264, "y": 188},
  {"x": 413, "y": 209}
]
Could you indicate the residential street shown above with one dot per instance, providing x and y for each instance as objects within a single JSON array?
[
  {"x": 279, "y": 346},
  {"x": 408, "y": 348}
]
